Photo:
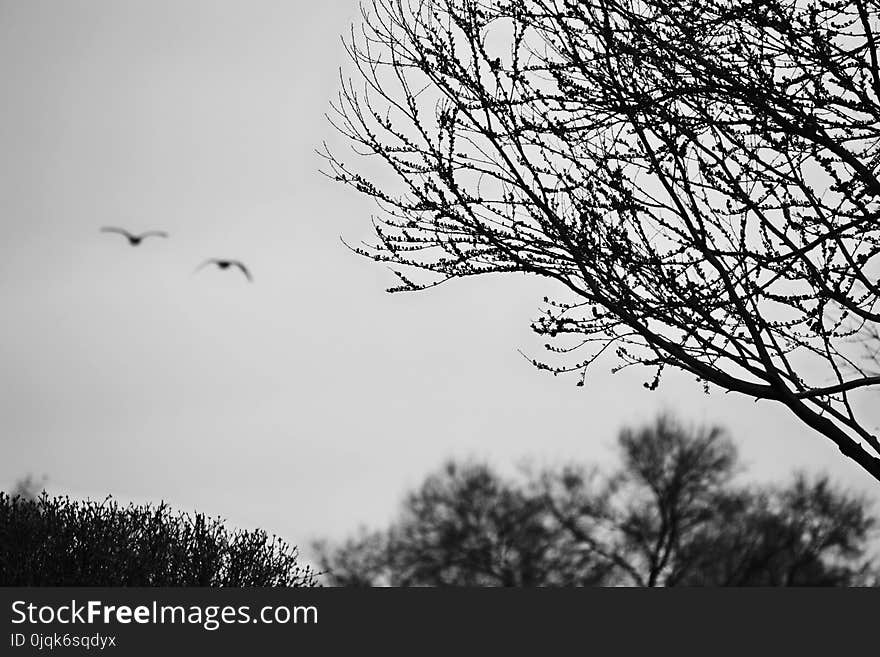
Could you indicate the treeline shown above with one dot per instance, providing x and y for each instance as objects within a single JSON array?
[{"x": 669, "y": 515}]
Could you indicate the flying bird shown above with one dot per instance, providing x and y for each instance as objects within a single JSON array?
[
  {"x": 226, "y": 264},
  {"x": 133, "y": 239}
]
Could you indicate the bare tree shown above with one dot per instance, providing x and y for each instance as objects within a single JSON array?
[
  {"x": 699, "y": 177},
  {"x": 466, "y": 526},
  {"x": 669, "y": 516}
]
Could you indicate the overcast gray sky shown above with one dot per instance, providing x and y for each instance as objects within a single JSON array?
[{"x": 305, "y": 403}]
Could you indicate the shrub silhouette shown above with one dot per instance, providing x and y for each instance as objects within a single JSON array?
[{"x": 57, "y": 541}]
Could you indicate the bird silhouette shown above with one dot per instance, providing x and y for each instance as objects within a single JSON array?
[
  {"x": 133, "y": 239},
  {"x": 226, "y": 264}
]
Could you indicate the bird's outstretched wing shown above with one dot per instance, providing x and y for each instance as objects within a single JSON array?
[
  {"x": 244, "y": 270},
  {"x": 114, "y": 229},
  {"x": 153, "y": 233},
  {"x": 209, "y": 261}
]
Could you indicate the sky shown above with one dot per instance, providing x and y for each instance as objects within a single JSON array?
[{"x": 308, "y": 402}]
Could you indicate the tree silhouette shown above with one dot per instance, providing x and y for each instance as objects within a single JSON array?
[
  {"x": 699, "y": 177},
  {"x": 670, "y": 516},
  {"x": 465, "y": 527}
]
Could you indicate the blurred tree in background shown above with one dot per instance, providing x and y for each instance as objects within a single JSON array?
[
  {"x": 29, "y": 487},
  {"x": 669, "y": 516},
  {"x": 56, "y": 541}
]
